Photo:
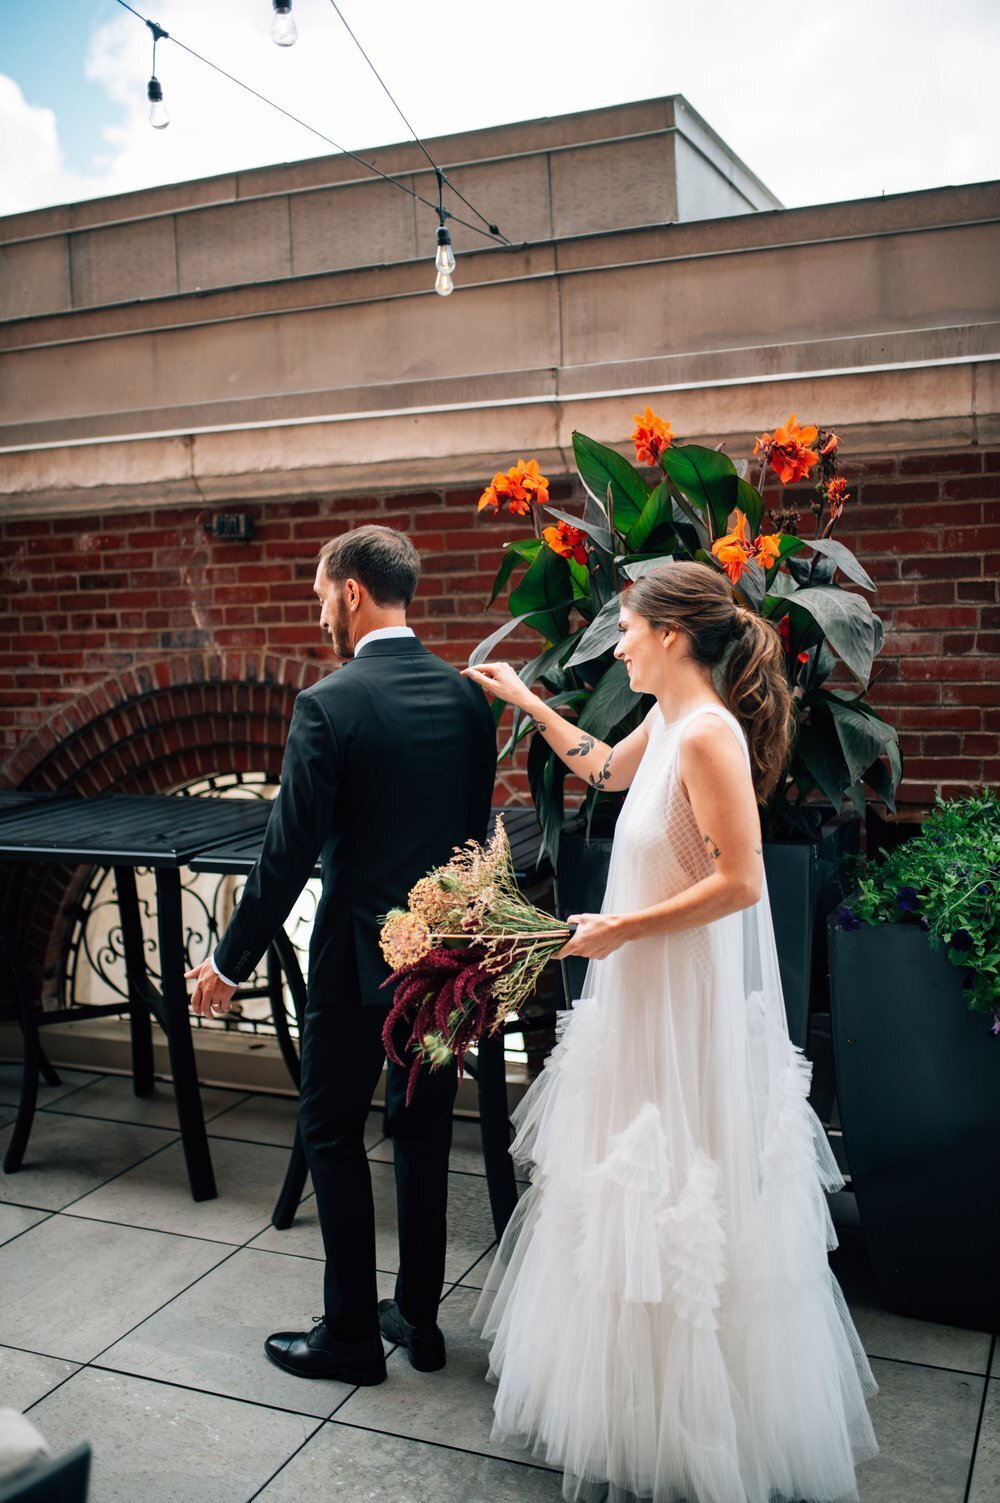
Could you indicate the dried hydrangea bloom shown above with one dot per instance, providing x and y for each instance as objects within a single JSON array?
[{"x": 431, "y": 902}]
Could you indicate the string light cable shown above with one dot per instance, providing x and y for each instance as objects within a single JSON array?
[{"x": 444, "y": 258}]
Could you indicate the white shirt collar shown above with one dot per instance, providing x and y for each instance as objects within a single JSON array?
[{"x": 383, "y": 633}]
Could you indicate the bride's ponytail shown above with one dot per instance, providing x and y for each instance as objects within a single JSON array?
[
  {"x": 755, "y": 688},
  {"x": 698, "y": 600}
]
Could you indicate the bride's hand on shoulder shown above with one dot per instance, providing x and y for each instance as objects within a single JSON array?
[
  {"x": 597, "y": 935},
  {"x": 501, "y": 680}
]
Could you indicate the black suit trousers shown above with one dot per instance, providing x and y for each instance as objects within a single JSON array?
[{"x": 342, "y": 1056}]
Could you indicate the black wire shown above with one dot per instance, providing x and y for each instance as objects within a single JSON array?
[
  {"x": 392, "y": 100},
  {"x": 489, "y": 235}
]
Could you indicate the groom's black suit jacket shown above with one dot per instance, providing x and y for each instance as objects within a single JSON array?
[{"x": 389, "y": 764}]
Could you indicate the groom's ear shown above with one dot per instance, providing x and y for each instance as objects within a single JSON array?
[{"x": 352, "y": 593}]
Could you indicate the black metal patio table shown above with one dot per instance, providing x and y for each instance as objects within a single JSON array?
[
  {"x": 235, "y": 857},
  {"x": 123, "y": 832}
]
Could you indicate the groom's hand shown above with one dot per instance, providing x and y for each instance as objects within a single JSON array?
[{"x": 212, "y": 997}]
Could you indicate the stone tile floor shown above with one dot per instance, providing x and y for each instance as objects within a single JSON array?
[{"x": 132, "y": 1318}]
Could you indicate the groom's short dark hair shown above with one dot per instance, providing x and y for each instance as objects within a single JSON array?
[{"x": 380, "y": 558}]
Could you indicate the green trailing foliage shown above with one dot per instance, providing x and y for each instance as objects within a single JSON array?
[{"x": 946, "y": 881}]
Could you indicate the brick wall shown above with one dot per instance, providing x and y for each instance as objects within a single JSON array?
[{"x": 101, "y": 615}]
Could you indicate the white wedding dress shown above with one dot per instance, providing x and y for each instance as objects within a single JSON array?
[{"x": 663, "y": 1318}]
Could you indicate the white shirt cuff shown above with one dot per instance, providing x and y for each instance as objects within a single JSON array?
[{"x": 221, "y": 977}]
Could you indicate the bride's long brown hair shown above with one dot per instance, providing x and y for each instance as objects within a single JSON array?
[{"x": 698, "y": 600}]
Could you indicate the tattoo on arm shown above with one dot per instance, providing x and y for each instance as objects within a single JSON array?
[
  {"x": 586, "y": 745},
  {"x": 757, "y": 851},
  {"x": 713, "y": 849},
  {"x": 539, "y": 725},
  {"x": 603, "y": 776}
]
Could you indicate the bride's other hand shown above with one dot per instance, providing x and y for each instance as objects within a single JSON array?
[
  {"x": 500, "y": 680},
  {"x": 597, "y": 935}
]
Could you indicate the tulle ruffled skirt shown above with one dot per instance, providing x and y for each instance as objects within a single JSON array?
[{"x": 663, "y": 1321}]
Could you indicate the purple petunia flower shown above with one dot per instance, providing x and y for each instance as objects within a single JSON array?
[
  {"x": 847, "y": 919},
  {"x": 961, "y": 940},
  {"x": 907, "y": 899}
]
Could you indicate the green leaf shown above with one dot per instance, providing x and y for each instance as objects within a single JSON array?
[
  {"x": 546, "y": 775},
  {"x": 514, "y": 554},
  {"x": 842, "y": 558},
  {"x": 480, "y": 653},
  {"x": 600, "y": 534},
  {"x": 786, "y": 547},
  {"x": 542, "y": 593},
  {"x": 706, "y": 477},
  {"x": 636, "y": 568},
  {"x": 601, "y": 468},
  {"x": 657, "y": 511},
  {"x": 749, "y": 500},
  {"x": 818, "y": 748},
  {"x": 862, "y": 738},
  {"x": 551, "y": 658},
  {"x": 844, "y": 619},
  {"x": 601, "y": 634},
  {"x": 752, "y": 587},
  {"x": 610, "y": 702}
]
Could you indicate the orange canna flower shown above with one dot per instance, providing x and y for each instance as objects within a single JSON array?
[
  {"x": 831, "y": 445},
  {"x": 787, "y": 451},
  {"x": 521, "y": 487},
  {"x": 651, "y": 436},
  {"x": 567, "y": 540},
  {"x": 737, "y": 549}
]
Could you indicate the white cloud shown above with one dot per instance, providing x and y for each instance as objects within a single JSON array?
[{"x": 838, "y": 102}]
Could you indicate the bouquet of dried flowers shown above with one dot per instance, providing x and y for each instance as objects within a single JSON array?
[{"x": 465, "y": 952}]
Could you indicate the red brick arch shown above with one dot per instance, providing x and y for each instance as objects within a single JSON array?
[{"x": 150, "y": 730}]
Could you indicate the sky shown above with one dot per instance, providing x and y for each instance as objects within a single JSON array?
[{"x": 823, "y": 101}]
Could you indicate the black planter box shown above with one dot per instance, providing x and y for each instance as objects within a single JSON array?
[
  {"x": 918, "y": 1083},
  {"x": 581, "y": 877},
  {"x": 801, "y": 889}
]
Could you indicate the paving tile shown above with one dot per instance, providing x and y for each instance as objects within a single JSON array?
[
  {"x": 156, "y": 1194},
  {"x": 17, "y": 1219},
  {"x": 69, "y": 1080},
  {"x": 69, "y": 1156},
  {"x": 71, "y": 1287},
  {"x": 302, "y": 1239},
  {"x": 26, "y": 1377},
  {"x": 212, "y": 1335},
  {"x": 995, "y": 1369},
  {"x": 475, "y": 1277},
  {"x": 112, "y": 1096},
  {"x": 925, "y": 1423},
  {"x": 168, "y": 1445},
  {"x": 349, "y": 1464},
  {"x": 453, "y": 1407},
  {"x": 470, "y": 1229},
  {"x": 986, "y": 1474},
  {"x": 271, "y": 1119}
]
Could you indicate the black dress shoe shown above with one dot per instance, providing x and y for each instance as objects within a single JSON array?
[
  {"x": 425, "y": 1344},
  {"x": 317, "y": 1354}
]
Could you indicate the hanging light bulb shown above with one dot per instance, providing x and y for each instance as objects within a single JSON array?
[
  {"x": 444, "y": 260},
  {"x": 284, "y": 32},
  {"x": 443, "y": 285},
  {"x": 159, "y": 118}
]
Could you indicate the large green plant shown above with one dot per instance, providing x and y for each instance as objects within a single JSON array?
[
  {"x": 698, "y": 504},
  {"x": 947, "y": 881}
]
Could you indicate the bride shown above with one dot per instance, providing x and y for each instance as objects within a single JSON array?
[{"x": 663, "y": 1319}]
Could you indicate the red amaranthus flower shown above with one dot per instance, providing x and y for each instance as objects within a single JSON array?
[
  {"x": 567, "y": 540},
  {"x": 787, "y": 450},
  {"x": 737, "y": 549},
  {"x": 651, "y": 436},
  {"x": 520, "y": 487}
]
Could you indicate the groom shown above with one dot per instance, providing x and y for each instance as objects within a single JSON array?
[{"x": 389, "y": 764}]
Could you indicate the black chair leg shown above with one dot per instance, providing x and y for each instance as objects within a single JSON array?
[
  {"x": 494, "y": 1125},
  {"x": 140, "y": 1026},
  {"x": 291, "y": 1191},
  {"x": 14, "y": 1156},
  {"x": 48, "y": 1070}
]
